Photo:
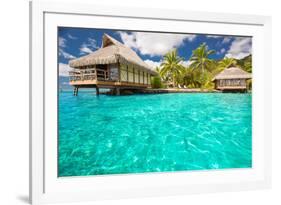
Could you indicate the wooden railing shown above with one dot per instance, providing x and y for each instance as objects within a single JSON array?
[{"x": 89, "y": 74}]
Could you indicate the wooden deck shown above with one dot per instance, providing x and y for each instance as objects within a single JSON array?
[
  {"x": 231, "y": 88},
  {"x": 106, "y": 84},
  {"x": 100, "y": 78}
]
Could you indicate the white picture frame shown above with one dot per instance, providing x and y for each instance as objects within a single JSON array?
[{"x": 46, "y": 187}]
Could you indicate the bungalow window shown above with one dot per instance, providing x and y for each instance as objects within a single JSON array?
[
  {"x": 123, "y": 70},
  {"x": 113, "y": 72},
  {"x": 141, "y": 77},
  {"x": 136, "y": 76},
  {"x": 130, "y": 74}
]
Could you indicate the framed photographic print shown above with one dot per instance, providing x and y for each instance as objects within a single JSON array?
[{"x": 130, "y": 102}]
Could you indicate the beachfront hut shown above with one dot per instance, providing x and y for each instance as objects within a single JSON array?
[
  {"x": 232, "y": 79},
  {"x": 114, "y": 66}
]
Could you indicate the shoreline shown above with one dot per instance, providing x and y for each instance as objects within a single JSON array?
[
  {"x": 177, "y": 90},
  {"x": 160, "y": 91}
]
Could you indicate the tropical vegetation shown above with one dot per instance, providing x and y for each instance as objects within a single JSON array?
[
  {"x": 156, "y": 82},
  {"x": 200, "y": 70},
  {"x": 171, "y": 67}
]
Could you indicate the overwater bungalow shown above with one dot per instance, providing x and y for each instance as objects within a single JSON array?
[
  {"x": 113, "y": 66},
  {"x": 232, "y": 79}
]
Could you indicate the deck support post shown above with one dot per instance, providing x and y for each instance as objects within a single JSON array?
[
  {"x": 75, "y": 91},
  {"x": 97, "y": 91},
  {"x": 117, "y": 91}
]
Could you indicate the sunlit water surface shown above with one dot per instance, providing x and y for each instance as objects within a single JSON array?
[{"x": 153, "y": 133}]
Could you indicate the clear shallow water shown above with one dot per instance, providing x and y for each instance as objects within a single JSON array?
[{"x": 153, "y": 133}]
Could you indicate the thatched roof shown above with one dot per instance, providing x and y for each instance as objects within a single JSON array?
[
  {"x": 233, "y": 73},
  {"x": 112, "y": 51}
]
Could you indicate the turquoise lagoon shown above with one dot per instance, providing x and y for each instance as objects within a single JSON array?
[{"x": 153, "y": 133}]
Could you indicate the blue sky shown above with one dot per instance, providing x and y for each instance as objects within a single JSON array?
[{"x": 77, "y": 42}]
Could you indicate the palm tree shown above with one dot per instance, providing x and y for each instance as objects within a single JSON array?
[
  {"x": 227, "y": 62},
  {"x": 201, "y": 61},
  {"x": 246, "y": 63},
  {"x": 248, "y": 67},
  {"x": 171, "y": 66},
  {"x": 158, "y": 69},
  {"x": 224, "y": 63},
  {"x": 189, "y": 77},
  {"x": 200, "y": 58},
  {"x": 163, "y": 76}
]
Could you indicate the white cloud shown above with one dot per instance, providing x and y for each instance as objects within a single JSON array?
[
  {"x": 62, "y": 42},
  {"x": 92, "y": 42},
  {"x": 226, "y": 40},
  {"x": 71, "y": 37},
  {"x": 240, "y": 48},
  {"x": 64, "y": 69},
  {"x": 62, "y": 52},
  {"x": 221, "y": 51},
  {"x": 65, "y": 54},
  {"x": 84, "y": 49},
  {"x": 154, "y": 44},
  {"x": 89, "y": 46},
  {"x": 153, "y": 64},
  {"x": 213, "y": 36},
  {"x": 186, "y": 63}
]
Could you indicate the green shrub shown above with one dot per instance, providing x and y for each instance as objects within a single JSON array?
[{"x": 156, "y": 82}]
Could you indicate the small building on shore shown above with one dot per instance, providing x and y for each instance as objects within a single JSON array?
[
  {"x": 232, "y": 79},
  {"x": 113, "y": 66}
]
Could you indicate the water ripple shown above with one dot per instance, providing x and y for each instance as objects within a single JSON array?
[{"x": 153, "y": 133}]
